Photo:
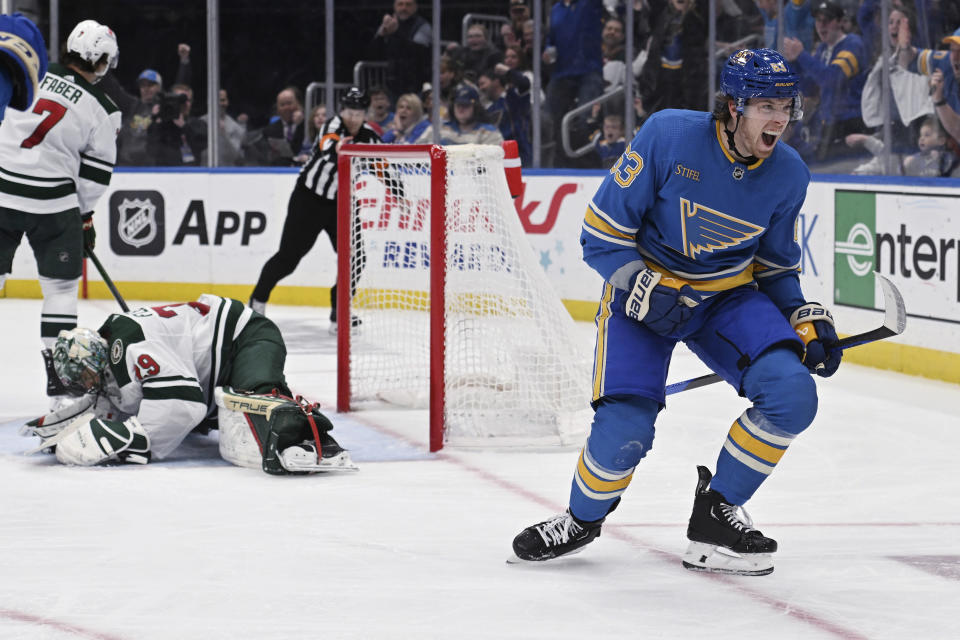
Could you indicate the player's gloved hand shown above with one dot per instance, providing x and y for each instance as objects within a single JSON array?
[
  {"x": 814, "y": 324},
  {"x": 663, "y": 309},
  {"x": 89, "y": 233},
  {"x": 52, "y": 423}
]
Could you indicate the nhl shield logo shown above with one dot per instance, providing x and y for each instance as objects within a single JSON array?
[
  {"x": 136, "y": 223},
  {"x": 737, "y": 172}
]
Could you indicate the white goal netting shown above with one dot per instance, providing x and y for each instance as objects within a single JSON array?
[{"x": 513, "y": 370}]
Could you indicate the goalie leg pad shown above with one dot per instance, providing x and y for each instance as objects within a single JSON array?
[
  {"x": 239, "y": 443},
  {"x": 277, "y": 434},
  {"x": 90, "y": 441}
]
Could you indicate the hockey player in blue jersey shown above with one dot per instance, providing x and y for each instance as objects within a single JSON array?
[
  {"x": 23, "y": 62},
  {"x": 693, "y": 232}
]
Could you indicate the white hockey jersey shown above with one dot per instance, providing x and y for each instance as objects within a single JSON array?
[
  {"x": 58, "y": 155},
  {"x": 165, "y": 362}
]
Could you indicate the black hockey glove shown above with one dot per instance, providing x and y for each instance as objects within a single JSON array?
[
  {"x": 814, "y": 324},
  {"x": 663, "y": 309},
  {"x": 89, "y": 233}
]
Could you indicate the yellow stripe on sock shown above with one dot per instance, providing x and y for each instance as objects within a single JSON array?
[
  {"x": 596, "y": 483},
  {"x": 748, "y": 442}
]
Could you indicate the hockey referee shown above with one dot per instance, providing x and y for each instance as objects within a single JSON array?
[{"x": 313, "y": 203}]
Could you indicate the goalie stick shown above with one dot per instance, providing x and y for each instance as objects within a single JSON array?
[
  {"x": 107, "y": 280},
  {"x": 894, "y": 322}
]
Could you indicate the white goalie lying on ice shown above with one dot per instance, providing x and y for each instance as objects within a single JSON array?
[{"x": 148, "y": 377}]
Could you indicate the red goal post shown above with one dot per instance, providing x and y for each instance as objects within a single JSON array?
[{"x": 448, "y": 308}]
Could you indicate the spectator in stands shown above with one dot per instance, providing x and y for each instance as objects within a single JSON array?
[
  {"x": 527, "y": 39},
  {"x": 612, "y": 46},
  {"x": 519, "y": 15},
  {"x": 507, "y": 94},
  {"x": 138, "y": 112},
  {"x": 379, "y": 115},
  {"x": 674, "y": 75},
  {"x": 574, "y": 51},
  {"x": 284, "y": 135},
  {"x": 451, "y": 79},
  {"x": 231, "y": 135},
  {"x": 943, "y": 69},
  {"x": 509, "y": 37},
  {"x": 931, "y": 158},
  {"x": 175, "y": 138},
  {"x": 798, "y": 21},
  {"x": 411, "y": 125},
  {"x": 609, "y": 143},
  {"x": 909, "y": 92},
  {"x": 469, "y": 124},
  {"x": 478, "y": 54},
  {"x": 313, "y": 125},
  {"x": 837, "y": 70},
  {"x": 404, "y": 39}
]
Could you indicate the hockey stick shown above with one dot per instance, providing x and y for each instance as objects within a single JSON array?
[
  {"x": 107, "y": 280},
  {"x": 894, "y": 322}
]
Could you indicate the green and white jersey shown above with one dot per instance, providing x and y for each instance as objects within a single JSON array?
[
  {"x": 165, "y": 362},
  {"x": 58, "y": 155}
]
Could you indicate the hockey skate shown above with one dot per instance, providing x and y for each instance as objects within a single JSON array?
[
  {"x": 354, "y": 322},
  {"x": 302, "y": 457},
  {"x": 721, "y": 541},
  {"x": 561, "y": 535}
]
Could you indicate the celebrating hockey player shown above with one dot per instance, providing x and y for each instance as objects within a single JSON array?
[
  {"x": 57, "y": 161},
  {"x": 693, "y": 232},
  {"x": 23, "y": 62},
  {"x": 148, "y": 377}
]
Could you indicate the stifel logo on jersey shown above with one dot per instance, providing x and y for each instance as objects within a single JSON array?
[{"x": 706, "y": 229}]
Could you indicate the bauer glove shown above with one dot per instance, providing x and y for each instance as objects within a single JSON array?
[
  {"x": 662, "y": 308},
  {"x": 814, "y": 325},
  {"x": 89, "y": 233}
]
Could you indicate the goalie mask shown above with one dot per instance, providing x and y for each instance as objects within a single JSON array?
[
  {"x": 94, "y": 42},
  {"x": 80, "y": 358},
  {"x": 760, "y": 73}
]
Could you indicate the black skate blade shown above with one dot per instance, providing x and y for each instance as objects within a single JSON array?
[
  {"x": 515, "y": 559},
  {"x": 729, "y": 572}
]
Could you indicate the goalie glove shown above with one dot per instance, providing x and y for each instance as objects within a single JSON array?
[
  {"x": 814, "y": 325},
  {"x": 52, "y": 423},
  {"x": 662, "y": 308},
  {"x": 89, "y": 441}
]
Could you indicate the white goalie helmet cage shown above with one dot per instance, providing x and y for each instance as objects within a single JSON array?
[{"x": 91, "y": 41}]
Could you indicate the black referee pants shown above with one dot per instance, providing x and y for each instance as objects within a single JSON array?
[{"x": 307, "y": 215}]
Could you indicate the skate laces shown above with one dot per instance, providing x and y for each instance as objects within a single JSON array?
[
  {"x": 731, "y": 514},
  {"x": 559, "y": 529}
]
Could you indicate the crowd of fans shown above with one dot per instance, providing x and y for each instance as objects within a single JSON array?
[{"x": 486, "y": 84}]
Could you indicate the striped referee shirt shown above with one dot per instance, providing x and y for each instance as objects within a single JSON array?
[{"x": 320, "y": 173}]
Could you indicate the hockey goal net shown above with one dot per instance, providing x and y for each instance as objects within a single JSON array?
[{"x": 449, "y": 308}]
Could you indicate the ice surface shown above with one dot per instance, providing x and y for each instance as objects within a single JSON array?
[{"x": 865, "y": 506}]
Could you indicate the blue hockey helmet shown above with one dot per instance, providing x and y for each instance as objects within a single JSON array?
[
  {"x": 23, "y": 51},
  {"x": 760, "y": 73}
]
